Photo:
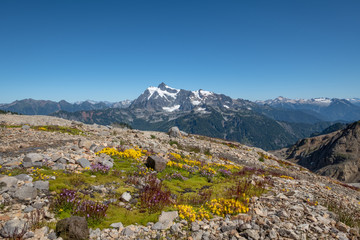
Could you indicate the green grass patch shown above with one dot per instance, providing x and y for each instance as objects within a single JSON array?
[
  {"x": 127, "y": 217},
  {"x": 61, "y": 129}
]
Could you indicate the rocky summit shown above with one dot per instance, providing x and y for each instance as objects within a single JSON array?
[
  {"x": 335, "y": 154},
  {"x": 62, "y": 179}
]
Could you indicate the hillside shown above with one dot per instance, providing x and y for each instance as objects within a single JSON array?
[
  {"x": 335, "y": 154},
  {"x": 147, "y": 185}
]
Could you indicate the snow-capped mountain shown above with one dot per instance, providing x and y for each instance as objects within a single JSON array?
[
  {"x": 287, "y": 101},
  {"x": 327, "y": 109},
  {"x": 165, "y": 98}
]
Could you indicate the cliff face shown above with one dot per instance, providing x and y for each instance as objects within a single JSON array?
[{"x": 335, "y": 154}]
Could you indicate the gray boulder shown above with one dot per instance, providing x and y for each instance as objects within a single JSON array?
[
  {"x": 26, "y": 193},
  {"x": 24, "y": 177},
  {"x": 14, "y": 227},
  {"x": 72, "y": 228},
  {"x": 41, "y": 185},
  {"x": 33, "y": 157},
  {"x": 156, "y": 162},
  {"x": 117, "y": 225},
  {"x": 166, "y": 220},
  {"x": 107, "y": 163},
  {"x": 85, "y": 144},
  {"x": 83, "y": 162},
  {"x": 174, "y": 132},
  {"x": 58, "y": 166},
  {"x": 9, "y": 181}
]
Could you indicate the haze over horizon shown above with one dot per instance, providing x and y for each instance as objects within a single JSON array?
[{"x": 112, "y": 51}]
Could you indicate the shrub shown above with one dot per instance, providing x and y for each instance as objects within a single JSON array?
[
  {"x": 66, "y": 200},
  {"x": 99, "y": 168},
  {"x": 153, "y": 197},
  {"x": 94, "y": 212}
]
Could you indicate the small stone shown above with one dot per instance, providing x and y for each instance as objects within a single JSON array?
[
  {"x": 83, "y": 162},
  {"x": 33, "y": 157},
  {"x": 342, "y": 227},
  {"x": 252, "y": 234},
  {"x": 41, "y": 185},
  {"x": 117, "y": 225},
  {"x": 28, "y": 209},
  {"x": 25, "y": 127},
  {"x": 127, "y": 232},
  {"x": 195, "y": 226},
  {"x": 126, "y": 196}
]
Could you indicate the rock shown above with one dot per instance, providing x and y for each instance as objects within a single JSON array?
[
  {"x": 33, "y": 157},
  {"x": 127, "y": 231},
  {"x": 52, "y": 236},
  {"x": 83, "y": 162},
  {"x": 107, "y": 163},
  {"x": 28, "y": 209},
  {"x": 41, "y": 185},
  {"x": 62, "y": 160},
  {"x": 26, "y": 193},
  {"x": 174, "y": 132},
  {"x": 58, "y": 166},
  {"x": 126, "y": 196},
  {"x": 342, "y": 227},
  {"x": 168, "y": 216},
  {"x": 13, "y": 227},
  {"x": 8, "y": 181},
  {"x": 85, "y": 144},
  {"x": 25, "y": 127},
  {"x": 253, "y": 234},
  {"x": 72, "y": 228},
  {"x": 195, "y": 226},
  {"x": 24, "y": 177},
  {"x": 117, "y": 225},
  {"x": 156, "y": 162},
  {"x": 166, "y": 220}
]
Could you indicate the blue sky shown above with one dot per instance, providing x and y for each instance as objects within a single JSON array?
[{"x": 114, "y": 50}]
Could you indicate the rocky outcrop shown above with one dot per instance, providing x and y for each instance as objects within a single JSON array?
[{"x": 336, "y": 154}]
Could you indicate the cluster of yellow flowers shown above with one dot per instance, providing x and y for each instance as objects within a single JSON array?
[
  {"x": 38, "y": 175},
  {"x": 186, "y": 212},
  {"x": 176, "y": 155},
  {"x": 328, "y": 188},
  {"x": 222, "y": 207},
  {"x": 190, "y": 214},
  {"x": 174, "y": 164},
  {"x": 134, "y": 153},
  {"x": 192, "y": 163},
  {"x": 208, "y": 169},
  {"x": 287, "y": 177},
  {"x": 227, "y": 166}
]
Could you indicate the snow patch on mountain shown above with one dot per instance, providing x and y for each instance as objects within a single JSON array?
[
  {"x": 171, "y": 109},
  {"x": 162, "y": 93}
]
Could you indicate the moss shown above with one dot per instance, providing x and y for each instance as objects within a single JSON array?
[
  {"x": 127, "y": 217},
  {"x": 53, "y": 128},
  {"x": 194, "y": 183}
]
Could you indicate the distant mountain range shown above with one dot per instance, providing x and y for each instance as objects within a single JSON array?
[
  {"x": 46, "y": 107},
  {"x": 270, "y": 124}
]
